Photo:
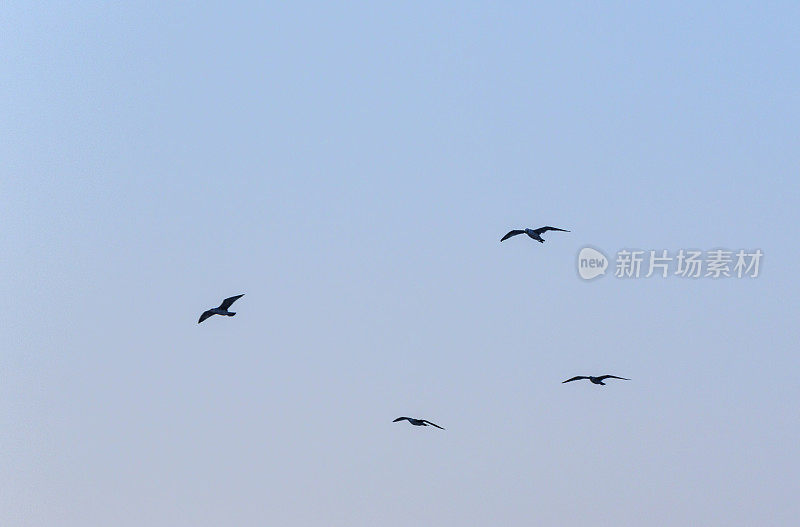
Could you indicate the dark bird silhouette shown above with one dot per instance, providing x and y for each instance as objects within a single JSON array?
[
  {"x": 533, "y": 233},
  {"x": 417, "y": 422},
  {"x": 222, "y": 309},
  {"x": 596, "y": 380}
]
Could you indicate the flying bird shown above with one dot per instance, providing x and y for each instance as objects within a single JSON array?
[
  {"x": 595, "y": 380},
  {"x": 417, "y": 422},
  {"x": 222, "y": 309},
  {"x": 533, "y": 233}
]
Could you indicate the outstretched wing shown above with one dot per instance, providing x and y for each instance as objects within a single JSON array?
[
  {"x": 228, "y": 301},
  {"x": 402, "y": 419},
  {"x": 604, "y": 377},
  {"x": 579, "y": 377},
  {"x": 510, "y": 234},
  {"x": 205, "y": 315},
  {"x": 432, "y": 424},
  {"x": 540, "y": 230}
]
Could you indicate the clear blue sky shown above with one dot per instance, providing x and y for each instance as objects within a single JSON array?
[{"x": 351, "y": 168}]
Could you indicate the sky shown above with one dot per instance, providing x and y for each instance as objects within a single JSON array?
[{"x": 351, "y": 167}]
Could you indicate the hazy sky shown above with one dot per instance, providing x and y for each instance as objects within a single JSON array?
[{"x": 351, "y": 168}]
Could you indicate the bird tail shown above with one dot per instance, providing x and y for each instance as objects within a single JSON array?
[{"x": 230, "y": 314}]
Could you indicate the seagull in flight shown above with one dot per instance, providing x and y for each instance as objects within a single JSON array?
[
  {"x": 595, "y": 380},
  {"x": 222, "y": 309},
  {"x": 417, "y": 422},
  {"x": 533, "y": 233}
]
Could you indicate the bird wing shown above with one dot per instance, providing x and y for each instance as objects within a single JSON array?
[
  {"x": 510, "y": 234},
  {"x": 205, "y": 315},
  {"x": 540, "y": 230},
  {"x": 603, "y": 377},
  {"x": 577, "y": 378},
  {"x": 432, "y": 424},
  {"x": 228, "y": 301},
  {"x": 401, "y": 419}
]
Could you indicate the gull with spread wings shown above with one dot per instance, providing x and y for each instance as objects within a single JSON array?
[
  {"x": 222, "y": 309},
  {"x": 533, "y": 233},
  {"x": 417, "y": 422},
  {"x": 595, "y": 380}
]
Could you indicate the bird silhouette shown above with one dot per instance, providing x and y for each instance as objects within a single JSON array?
[
  {"x": 533, "y": 233},
  {"x": 222, "y": 309},
  {"x": 417, "y": 422},
  {"x": 595, "y": 380}
]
